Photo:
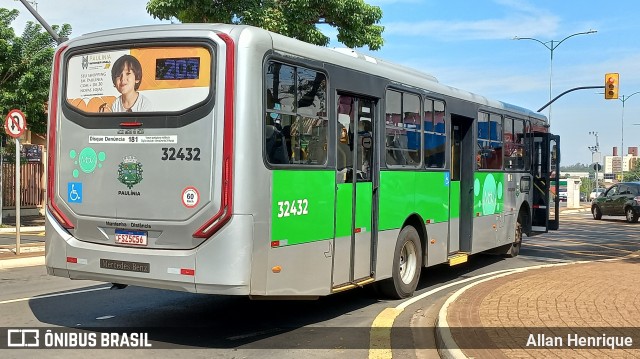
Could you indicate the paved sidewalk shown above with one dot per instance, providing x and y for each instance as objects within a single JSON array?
[
  {"x": 584, "y": 207},
  {"x": 25, "y": 221},
  {"x": 521, "y": 315},
  {"x": 30, "y": 253}
]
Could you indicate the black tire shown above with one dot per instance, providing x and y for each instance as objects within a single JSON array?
[
  {"x": 407, "y": 264},
  {"x": 596, "y": 212},
  {"x": 514, "y": 249},
  {"x": 632, "y": 216}
]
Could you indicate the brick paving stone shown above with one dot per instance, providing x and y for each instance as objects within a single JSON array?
[{"x": 504, "y": 311}]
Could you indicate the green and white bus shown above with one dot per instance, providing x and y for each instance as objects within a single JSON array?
[{"x": 231, "y": 160}]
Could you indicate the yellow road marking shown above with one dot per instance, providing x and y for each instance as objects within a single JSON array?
[{"x": 380, "y": 334}]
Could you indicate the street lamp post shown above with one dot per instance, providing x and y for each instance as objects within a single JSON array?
[
  {"x": 32, "y": 2},
  {"x": 595, "y": 156},
  {"x": 552, "y": 45},
  {"x": 624, "y": 99}
]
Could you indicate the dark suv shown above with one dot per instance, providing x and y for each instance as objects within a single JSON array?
[{"x": 622, "y": 199}]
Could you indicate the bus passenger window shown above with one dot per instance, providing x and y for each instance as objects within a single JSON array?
[
  {"x": 403, "y": 129},
  {"x": 490, "y": 145},
  {"x": 434, "y": 134},
  {"x": 364, "y": 159},
  {"x": 296, "y": 115},
  {"x": 514, "y": 155},
  {"x": 344, "y": 157}
]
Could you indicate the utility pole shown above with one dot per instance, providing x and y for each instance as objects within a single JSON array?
[{"x": 595, "y": 157}]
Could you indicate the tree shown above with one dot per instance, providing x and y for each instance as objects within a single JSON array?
[
  {"x": 634, "y": 174},
  {"x": 25, "y": 69},
  {"x": 578, "y": 167},
  {"x": 355, "y": 20}
]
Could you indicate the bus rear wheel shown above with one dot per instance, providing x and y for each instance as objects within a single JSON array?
[
  {"x": 407, "y": 264},
  {"x": 514, "y": 249}
]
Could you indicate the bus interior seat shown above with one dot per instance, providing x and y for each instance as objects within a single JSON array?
[
  {"x": 286, "y": 132},
  {"x": 317, "y": 148},
  {"x": 397, "y": 145},
  {"x": 402, "y": 143},
  {"x": 275, "y": 145}
]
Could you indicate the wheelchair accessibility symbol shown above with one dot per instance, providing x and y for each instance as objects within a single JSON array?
[{"x": 74, "y": 192}]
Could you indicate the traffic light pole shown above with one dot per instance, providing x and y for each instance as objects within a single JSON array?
[
  {"x": 566, "y": 92},
  {"x": 597, "y": 167},
  {"x": 595, "y": 157}
]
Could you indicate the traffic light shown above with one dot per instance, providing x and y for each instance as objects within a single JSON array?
[{"x": 611, "y": 85}]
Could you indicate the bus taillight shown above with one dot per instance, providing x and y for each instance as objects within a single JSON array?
[
  {"x": 53, "y": 117},
  {"x": 226, "y": 205}
]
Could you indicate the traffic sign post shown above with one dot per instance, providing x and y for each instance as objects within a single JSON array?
[
  {"x": 597, "y": 167},
  {"x": 15, "y": 124}
]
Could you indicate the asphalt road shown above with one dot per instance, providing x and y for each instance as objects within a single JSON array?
[{"x": 196, "y": 325}]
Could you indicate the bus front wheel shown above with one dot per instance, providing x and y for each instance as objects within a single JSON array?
[{"x": 407, "y": 264}]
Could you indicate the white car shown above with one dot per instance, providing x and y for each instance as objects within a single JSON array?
[
  {"x": 563, "y": 196},
  {"x": 594, "y": 194}
]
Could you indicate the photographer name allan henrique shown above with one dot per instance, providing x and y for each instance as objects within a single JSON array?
[{"x": 579, "y": 341}]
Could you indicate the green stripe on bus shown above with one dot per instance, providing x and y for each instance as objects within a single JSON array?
[
  {"x": 303, "y": 202},
  {"x": 455, "y": 199},
  {"x": 303, "y": 206},
  {"x": 404, "y": 192},
  {"x": 363, "y": 210},
  {"x": 344, "y": 204}
]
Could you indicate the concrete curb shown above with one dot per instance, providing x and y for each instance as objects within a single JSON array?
[
  {"x": 22, "y": 262},
  {"x": 446, "y": 344},
  {"x": 22, "y": 229},
  {"x": 577, "y": 210}
]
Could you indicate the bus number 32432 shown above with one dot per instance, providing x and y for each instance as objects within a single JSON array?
[{"x": 293, "y": 208}]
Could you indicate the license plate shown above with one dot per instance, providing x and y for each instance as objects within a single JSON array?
[{"x": 136, "y": 238}]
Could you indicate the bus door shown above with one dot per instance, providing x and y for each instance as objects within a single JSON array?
[
  {"x": 546, "y": 182},
  {"x": 461, "y": 184},
  {"x": 353, "y": 243}
]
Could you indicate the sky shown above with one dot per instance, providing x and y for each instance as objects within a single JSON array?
[{"x": 469, "y": 45}]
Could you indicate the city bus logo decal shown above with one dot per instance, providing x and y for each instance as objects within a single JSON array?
[
  {"x": 130, "y": 171},
  {"x": 86, "y": 161},
  {"x": 488, "y": 194}
]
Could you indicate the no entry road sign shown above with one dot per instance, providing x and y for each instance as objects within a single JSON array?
[{"x": 15, "y": 123}]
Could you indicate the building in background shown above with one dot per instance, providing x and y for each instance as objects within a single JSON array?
[{"x": 614, "y": 165}]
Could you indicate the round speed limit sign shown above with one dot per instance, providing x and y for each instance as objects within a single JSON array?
[{"x": 190, "y": 197}]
